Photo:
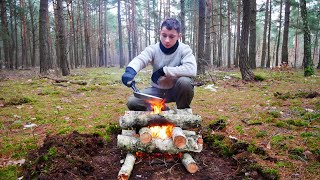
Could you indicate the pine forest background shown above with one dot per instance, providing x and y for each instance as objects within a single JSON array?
[{"x": 62, "y": 35}]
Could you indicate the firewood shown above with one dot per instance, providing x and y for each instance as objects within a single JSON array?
[
  {"x": 180, "y": 117},
  {"x": 127, "y": 167},
  {"x": 189, "y": 163},
  {"x": 179, "y": 139},
  {"x": 128, "y": 132},
  {"x": 145, "y": 135},
  {"x": 133, "y": 144}
]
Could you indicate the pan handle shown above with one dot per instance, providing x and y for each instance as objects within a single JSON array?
[{"x": 133, "y": 86}]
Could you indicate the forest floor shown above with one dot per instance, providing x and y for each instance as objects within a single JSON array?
[{"x": 53, "y": 129}]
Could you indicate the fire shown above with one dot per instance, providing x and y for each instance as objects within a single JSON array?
[
  {"x": 157, "y": 106},
  {"x": 162, "y": 132}
]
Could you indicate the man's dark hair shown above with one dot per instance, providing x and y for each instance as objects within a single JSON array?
[{"x": 171, "y": 23}]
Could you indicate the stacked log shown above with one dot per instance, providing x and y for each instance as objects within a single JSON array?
[
  {"x": 189, "y": 163},
  {"x": 181, "y": 117},
  {"x": 134, "y": 144}
]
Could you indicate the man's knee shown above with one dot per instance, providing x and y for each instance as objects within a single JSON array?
[
  {"x": 185, "y": 83},
  {"x": 135, "y": 104}
]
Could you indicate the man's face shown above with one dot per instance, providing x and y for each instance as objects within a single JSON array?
[{"x": 168, "y": 37}]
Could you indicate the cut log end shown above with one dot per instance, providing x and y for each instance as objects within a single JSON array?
[
  {"x": 192, "y": 168},
  {"x": 180, "y": 141},
  {"x": 145, "y": 138},
  {"x": 123, "y": 177}
]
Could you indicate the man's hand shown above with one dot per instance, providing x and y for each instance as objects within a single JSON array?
[
  {"x": 156, "y": 75},
  {"x": 128, "y": 76}
]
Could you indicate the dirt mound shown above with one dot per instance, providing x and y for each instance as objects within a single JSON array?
[{"x": 85, "y": 156}]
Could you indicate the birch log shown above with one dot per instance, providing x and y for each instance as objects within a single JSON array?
[
  {"x": 145, "y": 135},
  {"x": 180, "y": 117},
  {"x": 133, "y": 144},
  {"x": 127, "y": 167},
  {"x": 189, "y": 163},
  {"x": 179, "y": 139}
]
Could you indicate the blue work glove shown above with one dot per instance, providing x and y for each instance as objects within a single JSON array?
[
  {"x": 128, "y": 76},
  {"x": 156, "y": 75}
]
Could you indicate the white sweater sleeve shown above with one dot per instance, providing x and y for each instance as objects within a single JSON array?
[{"x": 188, "y": 65}]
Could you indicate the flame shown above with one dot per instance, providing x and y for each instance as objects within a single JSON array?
[
  {"x": 162, "y": 132},
  {"x": 156, "y": 106}
]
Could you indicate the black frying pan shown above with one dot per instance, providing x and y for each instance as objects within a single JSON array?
[{"x": 141, "y": 95}]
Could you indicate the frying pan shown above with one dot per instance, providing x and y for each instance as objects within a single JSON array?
[{"x": 141, "y": 95}]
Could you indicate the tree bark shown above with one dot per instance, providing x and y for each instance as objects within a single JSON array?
[
  {"x": 246, "y": 73},
  {"x": 183, "y": 20},
  {"x": 87, "y": 34},
  {"x": 219, "y": 63},
  {"x": 127, "y": 167},
  {"x": 5, "y": 33},
  {"x": 307, "y": 60},
  {"x": 201, "y": 32},
  {"x": 181, "y": 118},
  {"x": 122, "y": 62},
  {"x": 279, "y": 34},
  {"x": 43, "y": 35},
  {"x": 236, "y": 61},
  {"x": 157, "y": 145},
  {"x": 33, "y": 32},
  {"x": 207, "y": 51},
  {"x": 253, "y": 34},
  {"x": 269, "y": 37},
  {"x": 229, "y": 34},
  {"x": 24, "y": 55},
  {"x": 62, "y": 59},
  {"x": 189, "y": 163},
  {"x": 265, "y": 28},
  {"x": 284, "y": 58}
]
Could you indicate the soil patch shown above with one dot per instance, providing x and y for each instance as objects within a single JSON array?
[{"x": 85, "y": 156}]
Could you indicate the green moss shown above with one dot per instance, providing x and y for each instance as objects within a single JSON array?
[
  {"x": 8, "y": 173},
  {"x": 261, "y": 134}
]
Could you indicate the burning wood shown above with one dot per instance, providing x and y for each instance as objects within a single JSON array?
[
  {"x": 180, "y": 117},
  {"x": 127, "y": 167},
  {"x": 179, "y": 139},
  {"x": 189, "y": 163},
  {"x": 134, "y": 144}
]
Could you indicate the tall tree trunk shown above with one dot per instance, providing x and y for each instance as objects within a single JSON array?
[
  {"x": 269, "y": 37},
  {"x": 284, "y": 51},
  {"x": 201, "y": 32},
  {"x": 12, "y": 44},
  {"x": 279, "y": 33},
  {"x": 105, "y": 33},
  {"x": 264, "y": 45},
  {"x": 155, "y": 20},
  {"x": 253, "y": 34},
  {"x": 87, "y": 33},
  {"x": 5, "y": 34},
  {"x": 100, "y": 44},
  {"x": 220, "y": 36},
  {"x": 24, "y": 55},
  {"x": 214, "y": 32},
  {"x": 17, "y": 61},
  {"x": 229, "y": 34},
  {"x": 183, "y": 20},
  {"x": 307, "y": 60},
  {"x": 43, "y": 35},
  {"x": 62, "y": 59},
  {"x": 246, "y": 73},
  {"x": 134, "y": 30},
  {"x": 122, "y": 62},
  {"x": 129, "y": 31},
  {"x": 236, "y": 61},
  {"x": 33, "y": 31},
  {"x": 207, "y": 51}
]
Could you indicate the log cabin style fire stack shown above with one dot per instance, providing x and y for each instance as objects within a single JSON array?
[{"x": 167, "y": 132}]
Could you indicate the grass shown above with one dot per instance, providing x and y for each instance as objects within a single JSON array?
[{"x": 276, "y": 109}]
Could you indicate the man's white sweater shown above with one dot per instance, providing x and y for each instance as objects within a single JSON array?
[{"x": 180, "y": 63}]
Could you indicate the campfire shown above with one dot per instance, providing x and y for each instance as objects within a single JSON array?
[{"x": 161, "y": 132}]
